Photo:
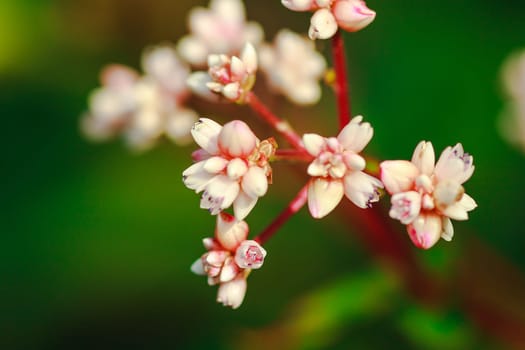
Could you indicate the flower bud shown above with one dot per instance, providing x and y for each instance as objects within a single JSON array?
[
  {"x": 250, "y": 255},
  {"x": 230, "y": 232},
  {"x": 237, "y": 139},
  {"x": 352, "y": 15},
  {"x": 232, "y": 293}
]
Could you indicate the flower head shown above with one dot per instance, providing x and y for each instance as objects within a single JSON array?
[
  {"x": 228, "y": 259},
  {"x": 142, "y": 108},
  {"x": 219, "y": 29},
  {"x": 293, "y": 67},
  {"x": 232, "y": 77},
  {"x": 426, "y": 196},
  {"x": 338, "y": 169},
  {"x": 233, "y": 166},
  {"x": 329, "y": 15}
]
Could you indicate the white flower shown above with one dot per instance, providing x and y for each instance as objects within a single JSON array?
[
  {"x": 229, "y": 259},
  {"x": 233, "y": 167},
  {"x": 142, "y": 108},
  {"x": 293, "y": 67},
  {"x": 338, "y": 169},
  {"x": 231, "y": 77},
  {"x": 221, "y": 29},
  {"x": 350, "y": 15},
  {"x": 426, "y": 196}
]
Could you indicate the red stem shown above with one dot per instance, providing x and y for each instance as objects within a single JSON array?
[
  {"x": 341, "y": 86},
  {"x": 293, "y": 207},
  {"x": 277, "y": 123}
]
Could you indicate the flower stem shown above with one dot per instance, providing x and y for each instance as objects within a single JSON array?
[
  {"x": 277, "y": 123},
  {"x": 292, "y": 155},
  {"x": 341, "y": 80},
  {"x": 293, "y": 207}
]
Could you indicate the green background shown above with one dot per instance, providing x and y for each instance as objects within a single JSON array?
[{"x": 96, "y": 242}]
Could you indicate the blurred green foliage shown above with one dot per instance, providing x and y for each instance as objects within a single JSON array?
[{"x": 97, "y": 242}]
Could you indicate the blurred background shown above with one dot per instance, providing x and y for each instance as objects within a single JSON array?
[{"x": 96, "y": 241}]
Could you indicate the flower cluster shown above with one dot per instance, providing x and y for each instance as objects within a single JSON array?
[
  {"x": 142, "y": 108},
  {"x": 229, "y": 259},
  {"x": 232, "y": 168},
  {"x": 329, "y": 15},
  {"x": 426, "y": 196}
]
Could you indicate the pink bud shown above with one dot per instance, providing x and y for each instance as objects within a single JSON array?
[
  {"x": 230, "y": 232},
  {"x": 425, "y": 230},
  {"x": 352, "y": 15},
  {"x": 236, "y": 139},
  {"x": 250, "y": 255}
]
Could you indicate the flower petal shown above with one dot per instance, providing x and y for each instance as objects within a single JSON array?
[
  {"x": 448, "y": 229},
  {"x": 323, "y": 196},
  {"x": 205, "y": 133},
  {"x": 254, "y": 182},
  {"x": 424, "y": 158},
  {"x": 352, "y": 15},
  {"x": 425, "y": 230},
  {"x": 356, "y": 135},
  {"x": 197, "y": 267},
  {"x": 405, "y": 206},
  {"x": 243, "y": 205},
  {"x": 232, "y": 293},
  {"x": 236, "y": 139},
  {"x": 313, "y": 143},
  {"x": 230, "y": 232},
  {"x": 361, "y": 188},
  {"x": 322, "y": 25},
  {"x": 398, "y": 175}
]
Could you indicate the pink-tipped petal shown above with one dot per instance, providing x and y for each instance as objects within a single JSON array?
[
  {"x": 398, "y": 175},
  {"x": 236, "y": 139},
  {"x": 230, "y": 232},
  {"x": 425, "y": 230},
  {"x": 323, "y": 196},
  {"x": 250, "y": 255},
  {"x": 299, "y": 5},
  {"x": 405, "y": 206},
  {"x": 352, "y": 15}
]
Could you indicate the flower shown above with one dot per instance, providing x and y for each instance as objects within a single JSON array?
[
  {"x": 232, "y": 77},
  {"x": 232, "y": 166},
  {"x": 350, "y": 15},
  {"x": 512, "y": 120},
  {"x": 142, "y": 108},
  {"x": 426, "y": 196},
  {"x": 229, "y": 259},
  {"x": 338, "y": 169},
  {"x": 293, "y": 67},
  {"x": 221, "y": 29}
]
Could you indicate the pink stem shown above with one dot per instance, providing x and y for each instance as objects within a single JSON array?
[
  {"x": 295, "y": 205},
  {"x": 277, "y": 123},
  {"x": 341, "y": 87}
]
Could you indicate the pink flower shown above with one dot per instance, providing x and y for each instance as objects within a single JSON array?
[
  {"x": 231, "y": 77},
  {"x": 293, "y": 67},
  {"x": 232, "y": 166},
  {"x": 221, "y": 29},
  {"x": 338, "y": 169},
  {"x": 426, "y": 196},
  {"x": 350, "y": 15},
  {"x": 142, "y": 108},
  {"x": 229, "y": 259}
]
